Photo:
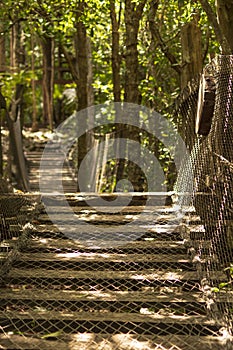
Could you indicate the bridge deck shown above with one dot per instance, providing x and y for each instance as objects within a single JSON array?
[{"x": 144, "y": 293}]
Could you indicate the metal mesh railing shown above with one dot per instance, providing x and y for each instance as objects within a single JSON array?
[{"x": 211, "y": 158}]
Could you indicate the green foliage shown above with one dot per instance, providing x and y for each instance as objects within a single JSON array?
[
  {"x": 224, "y": 286},
  {"x": 159, "y": 83}
]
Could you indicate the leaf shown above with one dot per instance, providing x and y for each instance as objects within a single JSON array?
[
  {"x": 223, "y": 285},
  {"x": 52, "y": 335}
]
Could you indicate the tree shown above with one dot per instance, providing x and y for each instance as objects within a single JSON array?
[
  {"x": 133, "y": 15},
  {"x": 33, "y": 85},
  {"x": 47, "y": 44},
  {"x": 225, "y": 19},
  {"x": 191, "y": 48},
  {"x": 137, "y": 50},
  {"x": 116, "y": 60},
  {"x": 221, "y": 21},
  {"x": 15, "y": 115}
]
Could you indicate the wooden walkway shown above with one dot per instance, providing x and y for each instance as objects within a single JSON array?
[{"x": 143, "y": 294}]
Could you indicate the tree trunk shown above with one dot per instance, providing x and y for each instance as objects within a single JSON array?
[
  {"x": 16, "y": 145},
  {"x": 2, "y": 69},
  {"x": 33, "y": 85},
  {"x": 47, "y": 44},
  {"x": 225, "y": 19},
  {"x": 81, "y": 70},
  {"x": 14, "y": 116},
  {"x": 84, "y": 78},
  {"x": 82, "y": 93},
  {"x": 214, "y": 22},
  {"x": 116, "y": 78},
  {"x": 115, "y": 53},
  {"x": 191, "y": 52},
  {"x": 132, "y": 20},
  {"x": 157, "y": 39},
  {"x": 132, "y": 16},
  {"x": 2, "y": 49}
]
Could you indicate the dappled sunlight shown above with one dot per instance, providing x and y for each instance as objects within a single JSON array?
[
  {"x": 128, "y": 341},
  {"x": 121, "y": 341},
  {"x": 173, "y": 276},
  {"x": 116, "y": 218},
  {"x": 89, "y": 341},
  {"x": 87, "y": 256}
]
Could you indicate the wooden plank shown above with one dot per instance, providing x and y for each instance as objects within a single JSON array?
[
  {"x": 122, "y": 296},
  {"x": 122, "y": 216},
  {"x": 147, "y": 246},
  {"x": 144, "y": 226},
  {"x": 158, "y": 275},
  {"x": 157, "y": 211},
  {"x": 55, "y": 243},
  {"x": 101, "y": 257},
  {"x": 12, "y": 342},
  {"x": 92, "y": 341},
  {"x": 135, "y": 198},
  {"x": 162, "y": 210},
  {"x": 97, "y": 316}
]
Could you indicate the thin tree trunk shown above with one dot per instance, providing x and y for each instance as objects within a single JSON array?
[
  {"x": 2, "y": 49},
  {"x": 132, "y": 16},
  {"x": 191, "y": 47},
  {"x": 116, "y": 77},
  {"x": 225, "y": 19},
  {"x": 82, "y": 94},
  {"x": 47, "y": 83},
  {"x": 81, "y": 70},
  {"x": 84, "y": 91},
  {"x": 15, "y": 116},
  {"x": 115, "y": 53},
  {"x": 157, "y": 39},
  {"x": 214, "y": 22},
  {"x": 33, "y": 84},
  {"x": 132, "y": 20},
  {"x": 52, "y": 84},
  {"x": 2, "y": 69},
  {"x": 91, "y": 115}
]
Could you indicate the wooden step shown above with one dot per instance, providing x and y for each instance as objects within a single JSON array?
[
  {"x": 142, "y": 294},
  {"x": 52, "y": 245},
  {"x": 119, "y": 341},
  {"x": 101, "y": 258},
  {"x": 134, "y": 198},
  {"x": 96, "y": 262},
  {"x": 121, "y": 217},
  {"x": 173, "y": 297},
  {"x": 146, "y": 316},
  {"x": 146, "y": 275},
  {"x": 107, "y": 322},
  {"x": 82, "y": 304}
]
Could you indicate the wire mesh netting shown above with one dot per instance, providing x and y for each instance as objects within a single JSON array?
[
  {"x": 168, "y": 288},
  {"x": 211, "y": 158}
]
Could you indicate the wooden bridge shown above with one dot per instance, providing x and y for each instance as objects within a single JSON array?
[{"x": 143, "y": 294}]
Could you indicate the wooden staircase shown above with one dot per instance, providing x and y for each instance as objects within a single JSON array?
[{"x": 143, "y": 294}]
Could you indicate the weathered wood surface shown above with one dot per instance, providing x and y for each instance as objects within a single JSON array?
[
  {"x": 145, "y": 294},
  {"x": 109, "y": 342}
]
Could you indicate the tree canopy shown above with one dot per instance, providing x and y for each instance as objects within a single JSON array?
[{"x": 61, "y": 56}]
